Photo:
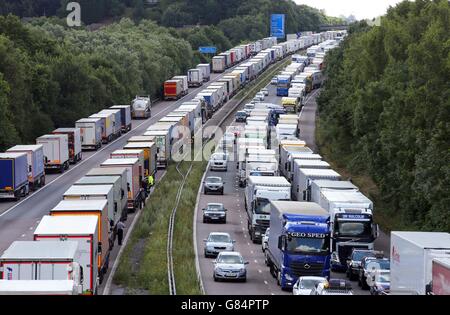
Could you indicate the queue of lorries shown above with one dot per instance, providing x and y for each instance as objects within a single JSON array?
[
  {"x": 309, "y": 219},
  {"x": 72, "y": 244}
]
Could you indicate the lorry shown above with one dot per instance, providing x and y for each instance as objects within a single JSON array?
[
  {"x": 134, "y": 180},
  {"x": 162, "y": 140},
  {"x": 83, "y": 231},
  {"x": 259, "y": 192},
  {"x": 283, "y": 85},
  {"x": 257, "y": 165},
  {"x": 38, "y": 287},
  {"x": 302, "y": 178},
  {"x": 352, "y": 224},
  {"x": 115, "y": 212},
  {"x": 130, "y": 154},
  {"x": 125, "y": 116},
  {"x": 184, "y": 83},
  {"x": 56, "y": 152},
  {"x": 286, "y": 157},
  {"x": 206, "y": 71},
  {"x": 290, "y": 104},
  {"x": 107, "y": 126},
  {"x": 117, "y": 121},
  {"x": 218, "y": 64},
  {"x": 173, "y": 89},
  {"x": 99, "y": 210},
  {"x": 323, "y": 184},
  {"x": 35, "y": 161},
  {"x": 412, "y": 255},
  {"x": 150, "y": 155},
  {"x": 36, "y": 261},
  {"x": 299, "y": 242},
  {"x": 195, "y": 77},
  {"x": 74, "y": 137},
  {"x": 141, "y": 107},
  {"x": 441, "y": 276},
  {"x": 91, "y": 133}
]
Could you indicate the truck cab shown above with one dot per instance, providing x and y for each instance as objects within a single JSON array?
[
  {"x": 283, "y": 85},
  {"x": 299, "y": 242}
]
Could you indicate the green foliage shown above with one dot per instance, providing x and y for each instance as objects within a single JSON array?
[
  {"x": 50, "y": 75},
  {"x": 385, "y": 110}
]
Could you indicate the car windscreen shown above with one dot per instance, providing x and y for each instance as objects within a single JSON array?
[
  {"x": 230, "y": 259},
  {"x": 219, "y": 238},
  {"x": 214, "y": 208},
  {"x": 213, "y": 180},
  {"x": 309, "y": 283}
]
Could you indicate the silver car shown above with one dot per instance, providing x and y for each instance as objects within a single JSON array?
[
  {"x": 218, "y": 242},
  {"x": 265, "y": 92},
  {"x": 219, "y": 161},
  {"x": 213, "y": 184},
  {"x": 304, "y": 285},
  {"x": 230, "y": 266},
  {"x": 265, "y": 240}
]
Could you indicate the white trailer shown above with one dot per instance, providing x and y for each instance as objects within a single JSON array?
[
  {"x": 80, "y": 229},
  {"x": 56, "y": 152},
  {"x": 412, "y": 255},
  {"x": 259, "y": 192},
  {"x": 91, "y": 133},
  {"x": 195, "y": 77},
  {"x": 286, "y": 154},
  {"x": 219, "y": 64},
  {"x": 184, "y": 83},
  {"x": 206, "y": 71},
  {"x": 37, "y": 261},
  {"x": 302, "y": 180},
  {"x": 319, "y": 185},
  {"x": 38, "y": 287},
  {"x": 117, "y": 121},
  {"x": 74, "y": 137}
]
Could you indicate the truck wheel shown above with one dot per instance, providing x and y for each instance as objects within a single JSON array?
[
  {"x": 42, "y": 181},
  {"x": 61, "y": 169},
  {"x": 279, "y": 278}
]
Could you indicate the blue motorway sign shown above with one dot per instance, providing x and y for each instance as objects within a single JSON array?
[
  {"x": 207, "y": 50},
  {"x": 277, "y": 25}
]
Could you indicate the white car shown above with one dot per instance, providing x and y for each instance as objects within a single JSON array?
[
  {"x": 265, "y": 240},
  {"x": 218, "y": 242},
  {"x": 333, "y": 287},
  {"x": 304, "y": 285},
  {"x": 265, "y": 92},
  {"x": 274, "y": 80},
  {"x": 230, "y": 266},
  {"x": 259, "y": 96},
  {"x": 218, "y": 162},
  {"x": 249, "y": 107}
]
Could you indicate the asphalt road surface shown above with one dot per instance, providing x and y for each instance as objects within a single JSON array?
[{"x": 259, "y": 280}]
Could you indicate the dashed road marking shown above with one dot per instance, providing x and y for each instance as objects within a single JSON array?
[
  {"x": 265, "y": 282},
  {"x": 256, "y": 261},
  {"x": 252, "y": 252},
  {"x": 23, "y": 235},
  {"x": 31, "y": 228},
  {"x": 259, "y": 270},
  {"x": 248, "y": 243}
]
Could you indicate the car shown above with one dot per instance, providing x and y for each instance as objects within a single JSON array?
[
  {"x": 305, "y": 285},
  {"x": 215, "y": 212},
  {"x": 241, "y": 116},
  {"x": 274, "y": 80},
  {"x": 333, "y": 287},
  {"x": 369, "y": 266},
  {"x": 380, "y": 282},
  {"x": 218, "y": 242},
  {"x": 260, "y": 96},
  {"x": 354, "y": 262},
  {"x": 213, "y": 184},
  {"x": 265, "y": 240},
  {"x": 248, "y": 108},
  {"x": 265, "y": 91},
  {"x": 230, "y": 266},
  {"x": 219, "y": 160}
]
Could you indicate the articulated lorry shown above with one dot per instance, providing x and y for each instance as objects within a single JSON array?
[
  {"x": 13, "y": 175},
  {"x": 299, "y": 241},
  {"x": 412, "y": 255},
  {"x": 125, "y": 116},
  {"x": 35, "y": 157},
  {"x": 74, "y": 137},
  {"x": 91, "y": 133},
  {"x": 259, "y": 192},
  {"x": 352, "y": 224},
  {"x": 56, "y": 152}
]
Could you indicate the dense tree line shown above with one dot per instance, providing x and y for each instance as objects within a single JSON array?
[
  {"x": 385, "y": 110},
  {"x": 51, "y": 75}
]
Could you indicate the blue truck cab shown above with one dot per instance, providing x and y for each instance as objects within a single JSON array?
[
  {"x": 299, "y": 241},
  {"x": 283, "y": 85}
]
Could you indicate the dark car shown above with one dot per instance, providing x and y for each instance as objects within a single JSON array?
[
  {"x": 215, "y": 212},
  {"x": 214, "y": 185},
  {"x": 241, "y": 116},
  {"x": 366, "y": 266},
  {"x": 354, "y": 262}
]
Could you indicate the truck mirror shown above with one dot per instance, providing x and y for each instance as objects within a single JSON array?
[{"x": 99, "y": 248}]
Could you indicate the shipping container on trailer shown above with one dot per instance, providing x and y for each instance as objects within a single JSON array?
[
  {"x": 302, "y": 178},
  {"x": 125, "y": 116},
  {"x": 98, "y": 209},
  {"x": 117, "y": 121},
  {"x": 33, "y": 262},
  {"x": 108, "y": 125},
  {"x": 141, "y": 107},
  {"x": 184, "y": 83},
  {"x": 162, "y": 140},
  {"x": 91, "y": 133},
  {"x": 134, "y": 179},
  {"x": 121, "y": 172},
  {"x": 114, "y": 213},
  {"x": 80, "y": 229},
  {"x": 35, "y": 159},
  {"x": 74, "y": 137},
  {"x": 150, "y": 154},
  {"x": 219, "y": 64},
  {"x": 13, "y": 175},
  {"x": 56, "y": 152}
]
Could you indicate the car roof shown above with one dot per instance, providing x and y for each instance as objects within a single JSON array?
[
  {"x": 215, "y": 204},
  {"x": 230, "y": 254},
  {"x": 312, "y": 278},
  {"x": 219, "y": 233},
  {"x": 216, "y": 177}
]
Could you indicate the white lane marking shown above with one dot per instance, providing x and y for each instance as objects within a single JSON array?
[
  {"x": 265, "y": 282},
  {"x": 272, "y": 293},
  {"x": 256, "y": 261},
  {"x": 248, "y": 243},
  {"x": 259, "y": 270},
  {"x": 31, "y": 228},
  {"x": 242, "y": 222},
  {"x": 245, "y": 235},
  {"x": 23, "y": 235},
  {"x": 252, "y": 252}
]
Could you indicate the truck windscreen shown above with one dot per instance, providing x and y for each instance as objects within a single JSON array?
[
  {"x": 353, "y": 229},
  {"x": 308, "y": 245},
  {"x": 262, "y": 206}
]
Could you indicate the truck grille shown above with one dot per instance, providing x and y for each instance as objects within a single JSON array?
[
  {"x": 263, "y": 223},
  {"x": 300, "y": 269}
]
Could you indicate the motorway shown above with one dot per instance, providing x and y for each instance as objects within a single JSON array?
[
  {"x": 18, "y": 220},
  {"x": 259, "y": 280}
]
